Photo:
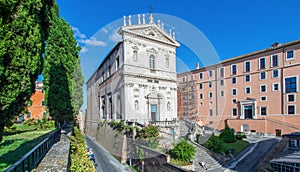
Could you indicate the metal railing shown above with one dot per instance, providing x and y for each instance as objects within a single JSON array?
[{"x": 30, "y": 160}]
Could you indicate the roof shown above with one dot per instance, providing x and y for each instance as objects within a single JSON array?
[
  {"x": 291, "y": 158},
  {"x": 279, "y": 46}
]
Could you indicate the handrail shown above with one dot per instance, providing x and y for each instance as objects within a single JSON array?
[{"x": 31, "y": 159}]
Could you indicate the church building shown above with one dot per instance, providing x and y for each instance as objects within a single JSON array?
[{"x": 137, "y": 79}]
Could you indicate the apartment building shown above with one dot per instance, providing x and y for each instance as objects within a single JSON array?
[{"x": 256, "y": 92}]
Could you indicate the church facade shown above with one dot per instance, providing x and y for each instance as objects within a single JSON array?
[{"x": 137, "y": 80}]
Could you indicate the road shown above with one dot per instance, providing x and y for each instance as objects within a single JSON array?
[
  {"x": 106, "y": 162},
  {"x": 250, "y": 158}
]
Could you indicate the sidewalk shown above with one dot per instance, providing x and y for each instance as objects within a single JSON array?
[{"x": 57, "y": 157}]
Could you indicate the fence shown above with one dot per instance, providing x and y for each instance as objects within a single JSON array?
[{"x": 30, "y": 160}]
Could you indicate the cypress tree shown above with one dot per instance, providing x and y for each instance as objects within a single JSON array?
[
  {"x": 62, "y": 73},
  {"x": 23, "y": 31}
]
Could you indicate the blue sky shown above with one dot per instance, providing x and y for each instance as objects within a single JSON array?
[{"x": 232, "y": 27}]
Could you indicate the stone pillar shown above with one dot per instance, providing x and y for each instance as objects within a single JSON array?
[{"x": 124, "y": 150}]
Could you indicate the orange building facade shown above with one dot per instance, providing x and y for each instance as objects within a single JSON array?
[
  {"x": 256, "y": 92},
  {"x": 38, "y": 108}
]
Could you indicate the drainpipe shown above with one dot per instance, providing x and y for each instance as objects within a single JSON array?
[{"x": 282, "y": 87}]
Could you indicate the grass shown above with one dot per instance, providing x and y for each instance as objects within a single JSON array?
[
  {"x": 17, "y": 143},
  {"x": 178, "y": 162},
  {"x": 237, "y": 146}
]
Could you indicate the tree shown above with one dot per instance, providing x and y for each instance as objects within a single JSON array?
[
  {"x": 215, "y": 144},
  {"x": 227, "y": 135},
  {"x": 23, "y": 31},
  {"x": 63, "y": 80},
  {"x": 183, "y": 151}
]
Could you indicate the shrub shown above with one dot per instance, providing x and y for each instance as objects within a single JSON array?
[
  {"x": 215, "y": 144},
  {"x": 227, "y": 135},
  {"x": 79, "y": 158},
  {"x": 149, "y": 131},
  {"x": 183, "y": 151}
]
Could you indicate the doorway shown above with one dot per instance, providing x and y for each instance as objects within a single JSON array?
[
  {"x": 154, "y": 114},
  {"x": 248, "y": 111}
]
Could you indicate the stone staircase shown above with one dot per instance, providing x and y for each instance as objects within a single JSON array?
[
  {"x": 201, "y": 154},
  {"x": 211, "y": 164}
]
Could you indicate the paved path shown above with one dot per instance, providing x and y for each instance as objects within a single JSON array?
[
  {"x": 106, "y": 162},
  {"x": 248, "y": 159},
  {"x": 57, "y": 157}
]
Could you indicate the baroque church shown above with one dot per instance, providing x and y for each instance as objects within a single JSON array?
[{"x": 137, "y": 79}]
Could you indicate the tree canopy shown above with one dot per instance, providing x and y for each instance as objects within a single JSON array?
[
  {"x": 23, "y": 31},
  {"x": 63, "y": 79}
]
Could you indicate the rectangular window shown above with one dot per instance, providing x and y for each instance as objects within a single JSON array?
[
  {"x": 263, "y": 98},
  {"x": 200, "y": 96},
  {"x": 210, "y": 73},
  {"x": 234, "y": 92},
  {"x": 290, "y": 55},
  {"x": 263, "y": 88},
  {"x": 167, "y": 62},
  {"x": 109, "y": 71},
  {"x": 291, "y": 98},
  {"x": 234, "y": 101},
  {"x": 291, "y": 109},
  {"x": 248, "y": 90},
  {"x": 291, "y": 84},
  {"x": 262, "y": 75},
  {"x": 209, "y": 84},
  {"x": 262, "y": 63},
  {"x": 135, "y": 58},
  {"x": 183, "y": 79},
  {"x": 222, "y": 72},
  {"x": 233, "y": 69},
  {"x": 234, "y": 111},
  {"x": 275, "y": 87},
  {"x": 117, "y": 63},
  {"x": 233, "y": 80},
  {"x": 210, "y": 112},
  {"x": 274, "y": 60},
  {"x": 200, "y": 75},
  {"x": 222, "y": 93},
  {"x": 263, "y": 110},
  {"x": 43, "y": 103},
  {"x": 247, "y": 78},
  {"x": 275, "y": 73},
  {"x": 200, "y": 86},
  {"x": 247, "y": 66},
  {"x": 221, "y": 82},
  {"x": 192, "y": 77}
]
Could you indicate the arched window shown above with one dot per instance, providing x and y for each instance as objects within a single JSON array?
[
  {"x": 152, "y": 62},
  {"x": 136, "y": 104}
]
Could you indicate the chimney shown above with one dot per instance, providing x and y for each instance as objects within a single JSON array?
[
  {"x": 197, "y": 66},
  {"x": 275, "y": 44}
]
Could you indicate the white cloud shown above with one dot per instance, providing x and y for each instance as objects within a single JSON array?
[
  {"x": 77, "y": 33},
  {"x": 93, "y": 42},
  {"x": 115, "y": 36},
  {"x": 83, "y": 50},
  {"x": 104, "y": 30},
  {"x": 81, "y": 38}
]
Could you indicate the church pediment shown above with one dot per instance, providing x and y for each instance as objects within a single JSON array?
[{"x": 150, "y": 31}]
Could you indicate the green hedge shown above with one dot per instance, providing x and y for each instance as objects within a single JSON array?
[{"x": 79, "y": 158}]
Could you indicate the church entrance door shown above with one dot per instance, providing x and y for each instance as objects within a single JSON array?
[{"x": 154, "y": 114}]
